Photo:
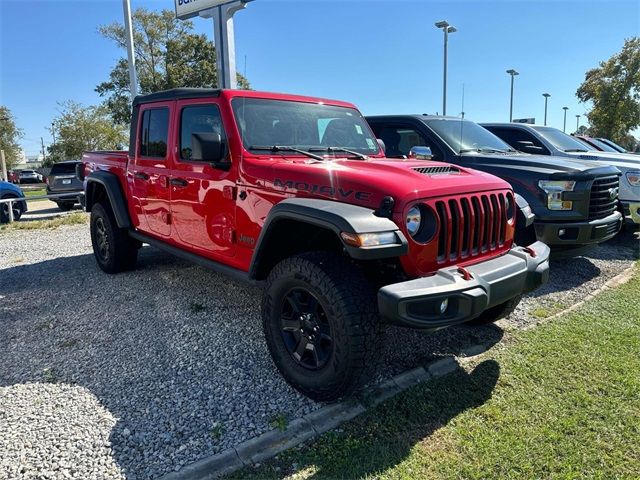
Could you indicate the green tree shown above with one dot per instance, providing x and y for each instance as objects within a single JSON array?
[
  {"x": 614, "y": 90},
  {"x": 168, "y": 55},
  {"x": 9, "y": 136},
  {"x": 78, "y": 128}
]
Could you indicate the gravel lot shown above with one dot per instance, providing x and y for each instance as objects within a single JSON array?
[{"x": 135, "y": 375}]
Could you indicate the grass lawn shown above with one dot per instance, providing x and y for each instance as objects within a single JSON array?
[
  {"x": 75, "y": 218},
  {"x": 35, "y": 193},
  {"x": 559, "y": 401}
]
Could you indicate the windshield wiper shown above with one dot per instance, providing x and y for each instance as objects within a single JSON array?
[
  {"x": 575, "y": 150},
  {"x": 287, "y": 148},
  {"x": 361, "y": 156}
]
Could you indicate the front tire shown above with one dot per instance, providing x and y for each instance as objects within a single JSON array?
[
  {"x": 321, "y": 324},
  {"x": 493, "y": 314},
  {"x": 4, "y": 210},
  {"x": 114, "y": 250}
]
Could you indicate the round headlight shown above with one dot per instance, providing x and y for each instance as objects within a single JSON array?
[{"x": 414, "y": 219}]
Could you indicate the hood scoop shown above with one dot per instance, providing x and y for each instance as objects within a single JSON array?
[{"x": 438, "y": 170}]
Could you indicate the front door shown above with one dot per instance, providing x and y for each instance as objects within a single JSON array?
[
  {"x": 149, "y": 176},
  {"x": 202, "y": 195}
]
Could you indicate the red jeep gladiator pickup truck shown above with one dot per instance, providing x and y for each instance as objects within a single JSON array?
[{"x": 297, "y": 192}]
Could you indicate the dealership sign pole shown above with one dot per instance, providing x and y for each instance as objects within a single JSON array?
[{"x": 221, "y": 11}]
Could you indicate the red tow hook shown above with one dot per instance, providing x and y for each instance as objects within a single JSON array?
[
  {"x": 466, "y": 274},
  {"x": 530, "y": 251}
]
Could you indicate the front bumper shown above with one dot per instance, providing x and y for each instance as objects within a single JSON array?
[
  {"x": 579, "y": 233},
  {"x": 632, "y": 209},
  {"x": 416, "y": 303}
]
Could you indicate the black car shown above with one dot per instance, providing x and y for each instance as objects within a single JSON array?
[
  {"x": 574, "y": 201},
  {"x": 63, "y": 179}
]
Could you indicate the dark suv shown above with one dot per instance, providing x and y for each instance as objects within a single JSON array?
[
  {"x": 574, "y": 201},
  {"x": 63, "y": 179}
]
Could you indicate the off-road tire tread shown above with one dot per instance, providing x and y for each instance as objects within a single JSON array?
[
  {"x": 124, "y": 252},
  {"x": 341, "y": 280}
]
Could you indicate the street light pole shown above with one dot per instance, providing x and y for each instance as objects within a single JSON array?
[
  {"x": 546, "y": 97},
  {"x": 447, "y": 29},
  {"x": 564, "y": 125},
  {"x": 53, "y": 133},
  {"x": 513, "y": 73},
  {"x": 577, "y": 123},
  {"x": 133, "y": 80}
]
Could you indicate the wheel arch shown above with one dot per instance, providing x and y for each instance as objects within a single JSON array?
[
  {"x": 297, "y": 225},
  {"x": 106, "y": 186}
]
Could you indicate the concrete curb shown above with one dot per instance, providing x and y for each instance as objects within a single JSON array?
[
  {"x": 312, "y": 425},
  {"x": 326, "y": 418}
]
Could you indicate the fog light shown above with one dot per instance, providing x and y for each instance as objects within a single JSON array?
[
  {"x": 444, "y": 305},
  {"x": 561, "y": 232}
]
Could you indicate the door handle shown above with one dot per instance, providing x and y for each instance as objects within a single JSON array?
[
  {"x": 179, "y": 182},
  {"x": 141, "y": 175}
]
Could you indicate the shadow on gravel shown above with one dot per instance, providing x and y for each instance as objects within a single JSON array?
[
  {"x": 383, "y": 438},
  {"x": 175, "y": 353}
]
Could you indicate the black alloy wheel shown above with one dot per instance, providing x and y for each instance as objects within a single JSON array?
[{"x": 305, "y": 329}]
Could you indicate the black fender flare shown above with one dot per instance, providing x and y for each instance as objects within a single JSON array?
[
  {"x": 109, "y": 181},
  {"x": 336, "y": 217}
]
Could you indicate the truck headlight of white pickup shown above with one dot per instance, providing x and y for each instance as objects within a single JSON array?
[
  {"x": 633, "y": 178},
  {"x": 554, "y": 189}
]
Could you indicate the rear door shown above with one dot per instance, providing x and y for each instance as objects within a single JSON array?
[
  {"x": 149, "y": 177},
  {"x": 202, "y": 195}
]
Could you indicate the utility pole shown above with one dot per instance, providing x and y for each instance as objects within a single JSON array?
[
  {"x": 53, "y": 133},
  {"x": 44, "y": 157},
  {"x": 564, "y": 126},
  {"x": 513, "y": 73},
  {"x": 546, "y": 97},
  {"x": 447, "y": 29}
]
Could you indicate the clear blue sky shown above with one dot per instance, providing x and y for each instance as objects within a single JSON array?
[{"x": 385, "y": 56}]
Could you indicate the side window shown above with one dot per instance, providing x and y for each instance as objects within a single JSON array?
[
  {"x": 154, "y": 132},
  {"x": 521, "y": 140},
  {"x": 399, "y": 139},
  {"x": 198, "y": 119}
]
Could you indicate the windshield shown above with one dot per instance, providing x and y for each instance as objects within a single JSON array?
[
  {"x": 603, "y": 146},
  {"x": 304, "y": 126},
  {"x": 561, "y": 140},
  {"x": 613, "y": 145},
  {"x": 463, "y": 135}
]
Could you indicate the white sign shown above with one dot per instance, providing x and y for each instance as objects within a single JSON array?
[{"x": 190, "y": 8}]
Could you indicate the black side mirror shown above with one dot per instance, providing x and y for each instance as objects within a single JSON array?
[
  {"x": 528, "y": 147},
  {"x": 209, "y": 147}
]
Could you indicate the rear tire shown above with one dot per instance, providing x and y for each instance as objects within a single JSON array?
[
  {"x": 493, "y": 314},
  {"x": 328, "y": 345},
  {"x": 114, "y": 250}
]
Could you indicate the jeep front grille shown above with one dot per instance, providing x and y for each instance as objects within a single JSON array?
[
  {"x": 471, "y": 225},
  {"x": 437, "y": 170},
  {"x": 601, "y": 204}
]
